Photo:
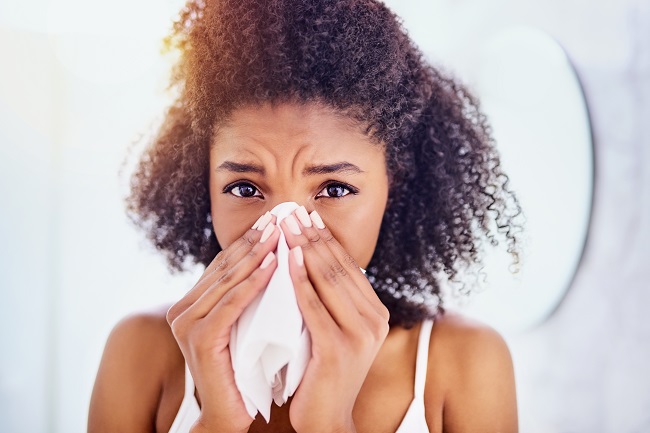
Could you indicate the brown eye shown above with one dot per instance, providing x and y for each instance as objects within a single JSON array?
[
  {"x": 244, "y": 190},
  {"x": 336, "y": 190}
]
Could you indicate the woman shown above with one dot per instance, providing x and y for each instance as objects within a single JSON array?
[{"x": 330, "y": 105}]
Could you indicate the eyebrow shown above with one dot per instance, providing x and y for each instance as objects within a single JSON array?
[
  {"x": 338, "y": 167},
  {"x": 237, "y": 167}
]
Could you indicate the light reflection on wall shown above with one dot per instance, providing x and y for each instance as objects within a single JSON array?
[
  {"x": 81, "y": 81},
  {"x": 533, "y": 101}
]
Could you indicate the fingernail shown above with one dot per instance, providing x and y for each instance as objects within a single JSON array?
[
  {"x": 318, "y": 222},
  {"x": 267, "y": 232},
  {"x": 292, "y": 223},
  {"x": 297, "y": 255},
  {"x": 257, "y": 222},
  {"x": 267, "y": 260},
  {"x": 266, "y": 218},
  {"x": 303, "y": 216}
]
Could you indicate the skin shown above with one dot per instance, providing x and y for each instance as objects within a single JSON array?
[{"x": 361, "y": 373}]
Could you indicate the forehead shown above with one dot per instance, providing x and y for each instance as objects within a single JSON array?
[{"x": 287, "y": 127}]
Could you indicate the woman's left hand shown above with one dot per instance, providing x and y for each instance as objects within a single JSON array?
[{"x": 347, "y": 322}]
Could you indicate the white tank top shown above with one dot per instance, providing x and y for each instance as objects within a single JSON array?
[{"x": 413, "y": 422}]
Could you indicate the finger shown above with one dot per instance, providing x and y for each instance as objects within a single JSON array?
[
  {"x": 361, "y": 292},
  {"x": 330, "y": 279},
  {"x": 238, "y": 273},
  {"x": 233, "y": 303},
  {"x": 348, "y": 262},
  {"x": 241, "y": 246},
  {"x": 250, "y": 244},
  {"x": 317, "y": 318}
]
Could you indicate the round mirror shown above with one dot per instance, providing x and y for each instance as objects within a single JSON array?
[{"x": 533, "y": 99}]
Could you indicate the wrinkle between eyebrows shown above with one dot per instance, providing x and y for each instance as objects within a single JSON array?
[{"x": 302, "y": 149}]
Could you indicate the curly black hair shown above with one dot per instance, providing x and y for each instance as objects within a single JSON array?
[{"x": 356, "y": 57}]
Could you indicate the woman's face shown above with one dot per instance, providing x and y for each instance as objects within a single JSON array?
[{"x": 266, "y": 155}]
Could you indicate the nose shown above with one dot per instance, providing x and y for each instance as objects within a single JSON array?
[
  {"x": 273, "y": 204},
  {"x": 288, "y": 199}
]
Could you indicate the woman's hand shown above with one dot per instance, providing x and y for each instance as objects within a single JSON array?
[
  {"x": 202, "y": 319},
  {"x": 347, "y": 321}
]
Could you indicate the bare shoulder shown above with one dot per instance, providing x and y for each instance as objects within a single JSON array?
[
  {"x": 146, "y": 328},
  {"x": 469, "y": 341},
  {"x": 143, "y": 339},
  {"x": 139, "y": 355},
  {"x": 471, "y": 366}
]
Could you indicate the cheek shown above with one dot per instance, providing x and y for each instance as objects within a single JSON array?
[
  {"x": 229, "y": 220},
  {"x": 359, "y": 231},
  {"x": 231, "y": 223},
  {"x": 223, "y": 229}
]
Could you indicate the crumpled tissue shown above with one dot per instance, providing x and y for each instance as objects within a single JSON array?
[{"x": 270, "y": 344}]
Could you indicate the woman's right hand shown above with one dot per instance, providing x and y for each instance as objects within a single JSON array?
[{"x": 202, "y": 319}]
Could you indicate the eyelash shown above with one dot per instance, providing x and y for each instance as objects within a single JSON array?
[
  {"x": 228, "y": 189},
  {"x": 352, "y": 190}
]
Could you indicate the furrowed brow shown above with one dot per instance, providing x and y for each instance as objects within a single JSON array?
[
  {"x": 237, "y": 167},
  {"x": 339, "y": 167}
]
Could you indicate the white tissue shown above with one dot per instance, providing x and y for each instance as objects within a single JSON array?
[{"x": 269, "y": 344}]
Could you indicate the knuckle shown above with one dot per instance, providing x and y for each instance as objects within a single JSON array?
[
  {"x": 222, "y": 264},
  {"x": 178, "y": 328},
  {"x": 349, "y": 260},
  {"x": 307, "y": 245},
  {"x": 339, "y": 269},
  {"x": 255, "y": 279},
  {"x": 385, "y": 313},
  {"x": 385, "y": 330},
  {"x": 173, "y": 313},
  {"x": 334, "y": 272},
  {"x": 370, "y": 334},
  {"x": 225, "y": 278},
  {"x": 363, "y": 335},
  {"x": 196, "y": 340},
  {"x": 380, "y": 327},
  {"x": 247, "y": 239},
  {"x": 327, "y": 236},
  {"x": 331, "y": 277},
  {"x": 313, "y": 303},
  {"x": 228, "y": 300},
  {"x": 219, "y": 262},
  {"x": 313, "y": 237},
  {"x": 253, "y": 253}
]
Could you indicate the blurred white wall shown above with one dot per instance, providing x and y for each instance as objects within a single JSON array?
[
  {"x": 586, "y": 368},
  {"x": 27, "y": 232},
  {"x": 80, "y": 81}
]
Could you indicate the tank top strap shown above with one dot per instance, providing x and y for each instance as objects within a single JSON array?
[
  {"x": 189, "y": 410},
  {"x": 422, "y": 359},
  {"x": 189, "y": 383}
]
